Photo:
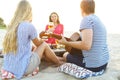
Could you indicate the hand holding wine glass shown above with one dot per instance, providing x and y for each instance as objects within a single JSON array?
[{"x": 50, "y": 27}]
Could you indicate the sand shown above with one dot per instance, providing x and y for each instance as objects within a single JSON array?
[{"x": 51, "y": 72}]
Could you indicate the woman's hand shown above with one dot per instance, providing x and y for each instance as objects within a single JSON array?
[
  {"x": 50, "y": 30},
  {"x": 33, "y": 48},
  {"x": 37, "y": 42}
]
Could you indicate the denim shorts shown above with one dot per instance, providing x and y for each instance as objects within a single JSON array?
[{"x": 34, "y": 63}]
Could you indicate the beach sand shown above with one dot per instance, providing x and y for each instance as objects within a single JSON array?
[{"x": 51, "y": 73}]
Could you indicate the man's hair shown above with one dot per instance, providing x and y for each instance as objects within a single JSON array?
[{"x": 88, "y": 6}]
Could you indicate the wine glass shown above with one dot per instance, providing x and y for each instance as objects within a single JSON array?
[{"x": 50, "y": 25}]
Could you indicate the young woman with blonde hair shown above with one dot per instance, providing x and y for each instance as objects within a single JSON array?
[{"x": 19, "y": 60}]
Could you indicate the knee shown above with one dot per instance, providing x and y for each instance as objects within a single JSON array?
[
  {"x": 65, "y": 55},
  {"x": 44, "y": 44}
]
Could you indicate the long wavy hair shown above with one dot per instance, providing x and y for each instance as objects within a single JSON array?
[
  {"x": 58, "y": 21},
  {"x": 23, "y": 13}
]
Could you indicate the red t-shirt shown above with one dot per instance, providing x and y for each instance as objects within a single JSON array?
[{"x": 58, "y": 30}]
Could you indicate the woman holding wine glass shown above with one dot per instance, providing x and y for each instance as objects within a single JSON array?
[{"x": 54, "y": 26}]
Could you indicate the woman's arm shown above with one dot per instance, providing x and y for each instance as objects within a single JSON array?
[
  {"x": 37, "y": 42},
  {"x": 84, "y": 44}
]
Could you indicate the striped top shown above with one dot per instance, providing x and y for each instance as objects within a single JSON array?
[
  {"x": 17, "y": 63},
  {"x": 98, "y": 55}
]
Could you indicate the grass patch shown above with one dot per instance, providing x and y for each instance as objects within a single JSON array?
[{"x": 2, "y": 27}]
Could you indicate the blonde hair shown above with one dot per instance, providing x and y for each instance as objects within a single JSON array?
[{"x": 22, "y": 13}]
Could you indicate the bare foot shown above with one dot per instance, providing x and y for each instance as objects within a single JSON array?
[
  {"x": 60, "y": 63},
  {"x": 0, "y": 52},
  {"x": 60, "y": 58},
  {"x": 5, "y": 79}
]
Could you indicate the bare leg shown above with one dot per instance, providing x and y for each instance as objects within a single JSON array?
[
  {"x": 0, "y": 51},
  {"x": 5, "y": 79},
  {"x": 65, "y": 56},
  {"x": 45, "y": 50},
  {"x": 61, "y": 58}
]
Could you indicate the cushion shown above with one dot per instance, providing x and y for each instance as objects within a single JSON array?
[{"x": 77, "y": 71}]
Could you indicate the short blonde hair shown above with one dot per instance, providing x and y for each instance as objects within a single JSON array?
[
  {"x": 88, "y": 6},
  {"x": 22, "y": 13}
]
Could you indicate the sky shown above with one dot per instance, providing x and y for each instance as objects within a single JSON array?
[{"x": 68, "y": 11}]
